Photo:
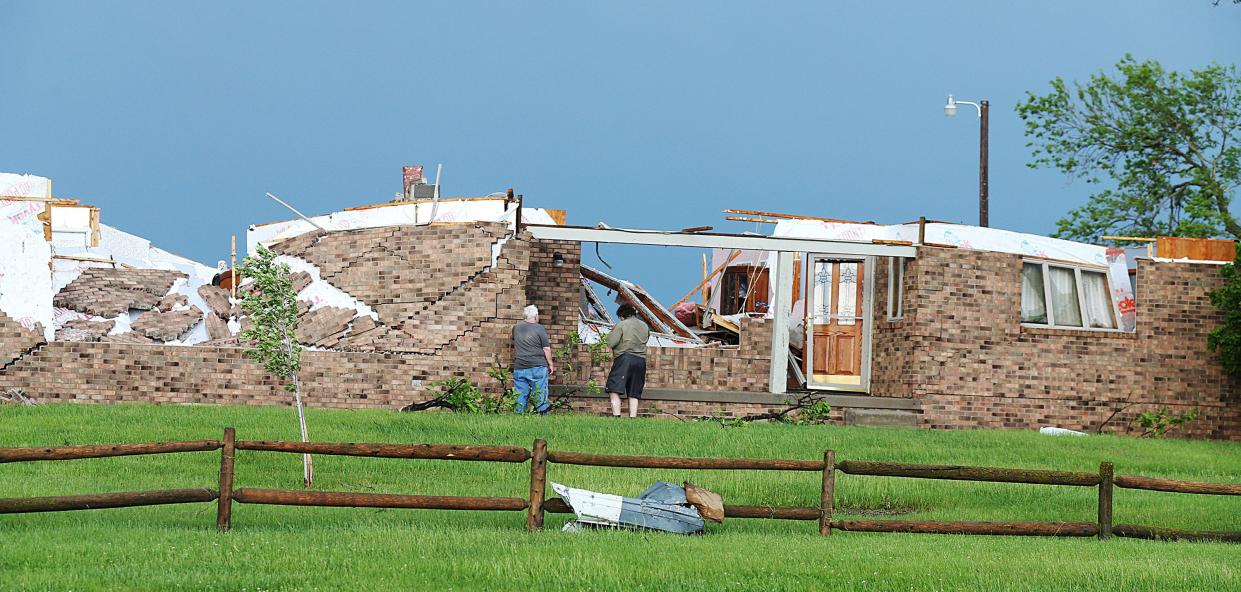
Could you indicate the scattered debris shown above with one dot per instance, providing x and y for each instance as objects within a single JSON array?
[
  {"x": 130, "y": 337},
  {"x": 709, "y": 503},
  {"x": 663, "y": 506},
  {"x": 216, "y": 299},
  {"x": 1052, "y": 431},
  {"x": 171, "y": 301},
  {"x": 15, "y": 396},
  {"x": 110, "y": 292},
  {"x": 167, "y": 326},
  {"x": 82, "y": 330},
  {"x": 217, "y": 328}
]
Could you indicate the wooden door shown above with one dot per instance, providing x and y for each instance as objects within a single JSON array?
[{"x": 837, "y": 320}]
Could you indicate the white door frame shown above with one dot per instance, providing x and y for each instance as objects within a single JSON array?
[{"x": 867, "y": 317}]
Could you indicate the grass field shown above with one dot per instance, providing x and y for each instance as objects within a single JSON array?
[{"x": 290, "y": 548}]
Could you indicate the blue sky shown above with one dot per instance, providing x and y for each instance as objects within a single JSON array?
[{"x": 175, "y": 118}]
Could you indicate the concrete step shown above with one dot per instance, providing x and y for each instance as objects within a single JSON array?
[{"x": 881, "y": 418}]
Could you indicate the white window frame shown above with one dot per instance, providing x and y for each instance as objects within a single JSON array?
[
  {"x": 896, "y": 288},
  {"x": 1081, "y": 297}
]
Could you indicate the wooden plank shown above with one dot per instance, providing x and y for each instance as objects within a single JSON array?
[
  {"x": 827, "y": 498},
  {"x": 1173, "y": 485},
  {"x": 421, "y": 451},
  {"x": 224, "y": 503},
  {"x": 538, "y": 484},
  {"x": 749, "y": 219},
  {"x": 560, "y": 217},
  {"x": 676, "y": 462},
  {"x": 1105, "y": 500},
  {"x": 111, "y": 262},
  {"x": 1138, "y": 531},
  {"x": 791, "y": 216},
  {"x": 56, "y": 201},
  {"x": 341, "y": 499},
  {"x": 884, "y": 241},
  {"x": 698, "y": 229},
  {"x": 105, "y": 500},
  {"x": 962, "y": 473},
  {"x": 1065, "y": 529},
  {"x": 103, "y": 450},
  {"x": 1195, "y": 249},
  {"x": 94, "y": 226}
]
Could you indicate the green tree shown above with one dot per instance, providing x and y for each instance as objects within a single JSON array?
[
  {"x": 1164, "y": 139},
  {"x": 271, "y": 305},
  {"x": 1225, "y": 340}
]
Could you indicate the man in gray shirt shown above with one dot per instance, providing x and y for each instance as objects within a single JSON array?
[{"x": 533, "y": 363}]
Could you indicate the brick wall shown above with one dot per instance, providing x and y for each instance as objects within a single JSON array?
[
  {"x": 962, "y": 350},
  {"x": 743, "y": 367}
]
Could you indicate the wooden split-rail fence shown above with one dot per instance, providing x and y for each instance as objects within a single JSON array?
[{"x": 538, "y": 504}]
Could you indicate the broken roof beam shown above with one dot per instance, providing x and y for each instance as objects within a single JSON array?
[
  {"x": 664, "y": 314},
  {"x": 594, "y": 302},
  {"x": 644, "y": 308},
  {"x": 665, "y": 238}
]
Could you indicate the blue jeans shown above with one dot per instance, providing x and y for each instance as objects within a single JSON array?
[{"x": 529, "y": 381}]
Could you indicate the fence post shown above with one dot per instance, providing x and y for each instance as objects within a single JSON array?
[
  {"x": 828, "y": 499},
  {"x": 1105, "y": 501},
  {"x": 538, "y": 484},
  {"x": 224, "y": 503}
]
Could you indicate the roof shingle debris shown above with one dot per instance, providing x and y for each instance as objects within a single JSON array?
[
  {"x": 82, "y": 330},
  {"x": 110, "y": 292},
  {"x": 166, "y": 326}
]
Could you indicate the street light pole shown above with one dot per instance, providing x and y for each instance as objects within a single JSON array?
[
  {"x": 983, "y": 131},
  {"x": 984, "y": 108}
]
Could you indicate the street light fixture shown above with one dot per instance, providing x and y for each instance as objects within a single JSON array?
[{"x": 983, "y": 107}]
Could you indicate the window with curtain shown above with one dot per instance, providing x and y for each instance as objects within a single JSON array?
[
  {"x": 1033, "y": 298},
  {"x": 1097, "y": 300},
  {"x": 1063, "y": 296}
]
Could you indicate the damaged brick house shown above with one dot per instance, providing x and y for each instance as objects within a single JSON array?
[{"x": 935, "y": 329}]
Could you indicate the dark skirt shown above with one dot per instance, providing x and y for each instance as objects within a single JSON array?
[{"x": 628, "y": 376}]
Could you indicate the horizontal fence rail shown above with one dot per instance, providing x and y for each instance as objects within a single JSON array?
[
  {"x": 676, "y": 462},
  {"x": 1067, "y": 529},
  {"x": 1174, "y": 486},
  {"x": 105, "y": 500},
  {"x": 341, "y": 499},
  {"x": 8, "y": 455},
  {"x": 538, "y": 504},
  {"x": 421, "y": 451},
  {"x": 991, "y": 474}
]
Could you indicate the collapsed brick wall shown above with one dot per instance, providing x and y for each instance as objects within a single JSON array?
[
  {"x": 430, "y": 285},
  {"x": 16, "y": 340},
  {"x": 967, "y": 357}
]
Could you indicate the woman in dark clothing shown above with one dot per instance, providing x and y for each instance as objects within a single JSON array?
[{"x": 628, "y": 376}]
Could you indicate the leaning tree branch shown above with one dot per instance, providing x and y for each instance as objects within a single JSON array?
[
  {"x": 802, "y": 402},
  {"x": 441, "y": 401}
]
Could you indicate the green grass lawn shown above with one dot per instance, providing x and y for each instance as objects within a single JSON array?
[{"x": 296, "y": 548}]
